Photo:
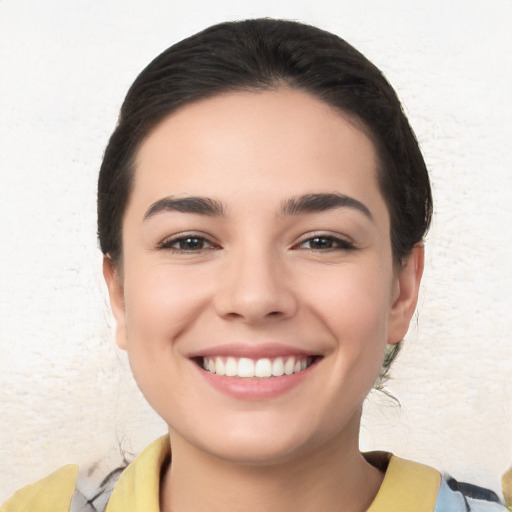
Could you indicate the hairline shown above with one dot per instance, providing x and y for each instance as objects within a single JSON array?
[{"x": 278, "y": 84}]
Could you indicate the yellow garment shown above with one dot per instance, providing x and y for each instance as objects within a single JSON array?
[
  {"x": 407, "y": 486},
  {"x": 51, "y": 494},
  {"x": 506, "y": 482},
  {"x": 138, "y": 489}
]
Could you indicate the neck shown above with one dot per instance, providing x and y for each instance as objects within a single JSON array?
[{"x": 332, "y": 478}]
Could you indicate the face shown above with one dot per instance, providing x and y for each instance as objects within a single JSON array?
[{"x": 258, "y": 290}]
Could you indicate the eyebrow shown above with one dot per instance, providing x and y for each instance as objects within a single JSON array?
[
  {"x": 193, "y": 204},
  {"x": 312, "y": 203},
  {"x": 297, "y": 205}
]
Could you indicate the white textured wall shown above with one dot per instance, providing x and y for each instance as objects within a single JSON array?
[{"x": 66, "y": 393}]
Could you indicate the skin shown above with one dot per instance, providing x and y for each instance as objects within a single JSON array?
[{"x": 259, "y": 275}]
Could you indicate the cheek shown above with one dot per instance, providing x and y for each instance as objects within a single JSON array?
[
  {"x": 158, "y": 310},
  {"x": 354, "y": 299},
  {"x": 160, "y": 302},
  {"x": 355, "y": 305}
]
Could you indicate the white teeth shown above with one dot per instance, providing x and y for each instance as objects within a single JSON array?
[
  {"x": 288, "y": 367},
  {"x": 278, "y": 367},
  {"x": 245, "y": 367},
  {"x": 231, "y": 367},
  {"x": 262, "y": 368},
  {"x": 220, "y": 369}
]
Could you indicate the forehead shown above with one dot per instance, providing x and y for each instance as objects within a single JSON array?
[{"x": 259, "y": 146}]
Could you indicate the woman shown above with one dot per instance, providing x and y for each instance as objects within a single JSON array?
[{"x": 262, "y": 205}]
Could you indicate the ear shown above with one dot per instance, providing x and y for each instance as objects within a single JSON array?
[
  {"x": 405, "y": 294},
  {"x": 116, "y": 293}
]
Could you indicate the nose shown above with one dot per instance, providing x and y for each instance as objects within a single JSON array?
[{"x": 255, "y": 288}]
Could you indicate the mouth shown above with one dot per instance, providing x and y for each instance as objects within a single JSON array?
[
  {"x": 255, "y": 372},
  {"x": 262, "y": 368}
]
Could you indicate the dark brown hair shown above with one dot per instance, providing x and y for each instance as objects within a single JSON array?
[{"x": 264, "y": 54}]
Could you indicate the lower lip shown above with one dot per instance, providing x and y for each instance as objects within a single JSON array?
[{"x": 255, "y": 388}]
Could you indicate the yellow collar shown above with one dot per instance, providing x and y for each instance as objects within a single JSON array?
[
  {"x": 50, "y": 494},
  {"x": 138, "y": 487},
  {"x": 407, "y": 485}
]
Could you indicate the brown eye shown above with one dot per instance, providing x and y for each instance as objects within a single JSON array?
[
  {"x": 320, "y": 243},
  {"x": 190, "y": 244},
  {"x": 325, "y": 243},
  {"x": 187, "y": 244}
]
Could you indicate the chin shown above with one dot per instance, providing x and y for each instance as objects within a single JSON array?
[
  {"x": 265, "y": 452},
  {"x": 260, "y": 443}
]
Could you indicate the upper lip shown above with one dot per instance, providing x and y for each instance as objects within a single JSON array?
[{"x": 251, "y": 351}]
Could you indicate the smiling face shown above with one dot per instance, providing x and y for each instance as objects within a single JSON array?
[{"x": 258, "y": 291}]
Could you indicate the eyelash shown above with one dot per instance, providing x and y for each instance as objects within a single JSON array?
[
  {"x": 336, "y": 243},
  {"x": 168, "y": 243}
]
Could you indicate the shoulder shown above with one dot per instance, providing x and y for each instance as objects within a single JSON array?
[
  {"x": 460, "y": 496},
  {"x": 407, "y": 485},
  {"x": 50, "y": 494},
  {"x": 411, "y": 486},
  {"x": 132, "y": 487},
  {"x": 66, "y": 490}
]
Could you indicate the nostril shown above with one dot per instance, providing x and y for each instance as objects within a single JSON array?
[{"x": 234, "y": 314}]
